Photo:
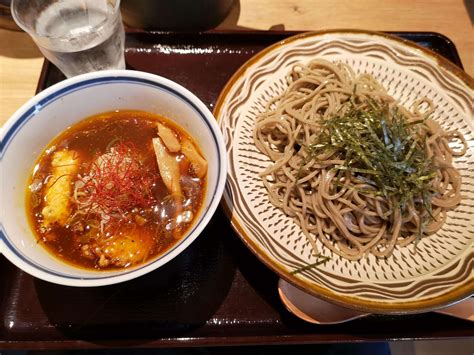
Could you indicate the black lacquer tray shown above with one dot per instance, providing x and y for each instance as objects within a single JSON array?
[{"x": 216, "y": 292}]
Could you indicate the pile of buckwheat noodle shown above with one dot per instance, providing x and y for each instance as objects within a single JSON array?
[{"x": 346, "y": 206}]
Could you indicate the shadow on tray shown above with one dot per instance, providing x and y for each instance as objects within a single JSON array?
[{"x": 175, "y": 298}]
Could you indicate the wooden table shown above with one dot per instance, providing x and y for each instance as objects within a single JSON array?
[{"x": 21, "y": 61}]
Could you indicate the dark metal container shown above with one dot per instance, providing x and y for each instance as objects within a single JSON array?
[{"x": 175, "y": 15}]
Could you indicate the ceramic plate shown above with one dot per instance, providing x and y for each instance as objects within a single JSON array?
[{"x": 440, "y": 272}]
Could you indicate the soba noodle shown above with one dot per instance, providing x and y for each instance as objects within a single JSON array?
[{"x": 352, "y": 167}]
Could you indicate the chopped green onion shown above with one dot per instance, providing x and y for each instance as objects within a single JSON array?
[{"x": 376, "y": 140}]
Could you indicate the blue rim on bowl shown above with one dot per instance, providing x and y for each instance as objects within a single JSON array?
[{"x": 28, "y": 111}]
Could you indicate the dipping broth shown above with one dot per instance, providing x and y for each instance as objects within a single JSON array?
[{"x": 116, "y": 190}]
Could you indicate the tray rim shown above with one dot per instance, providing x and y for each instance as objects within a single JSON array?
[{"x": 287, "y": 33}]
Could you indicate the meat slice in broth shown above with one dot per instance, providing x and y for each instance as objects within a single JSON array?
[
  {"x": 198, "y": 163},
  {"x": 169, "y": 138}
]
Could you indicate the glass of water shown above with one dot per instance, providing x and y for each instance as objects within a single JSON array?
[{"x": 78, "y": 36}]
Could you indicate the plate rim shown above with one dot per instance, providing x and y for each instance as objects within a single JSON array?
[{"x": 461, "y": 291}]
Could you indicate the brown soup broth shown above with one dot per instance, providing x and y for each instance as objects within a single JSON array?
[{"x": 136, "y": 234}]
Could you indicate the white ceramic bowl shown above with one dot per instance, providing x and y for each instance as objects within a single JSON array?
[{"x": 36, "y": 123}]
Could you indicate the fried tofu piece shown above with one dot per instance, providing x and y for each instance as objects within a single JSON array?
[
  {"x": 198, "y": 163},
  {"x": 57, "y": 199}
]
